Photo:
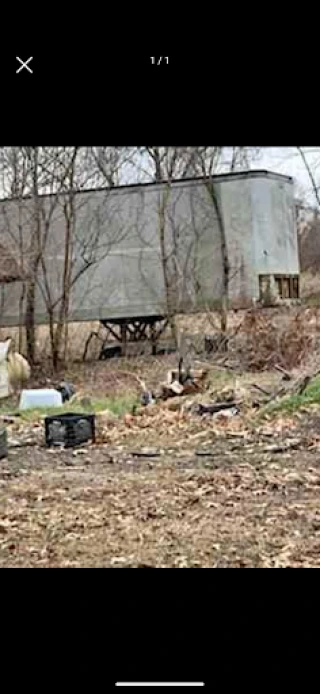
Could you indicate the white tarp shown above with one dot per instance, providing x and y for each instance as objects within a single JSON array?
[{"x": 4, "y": 378}]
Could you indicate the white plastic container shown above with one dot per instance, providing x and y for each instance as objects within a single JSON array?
[{"x": 36, "y": 399}]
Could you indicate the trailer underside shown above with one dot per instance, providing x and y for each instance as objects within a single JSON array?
[{"x": 127, "y": 330}]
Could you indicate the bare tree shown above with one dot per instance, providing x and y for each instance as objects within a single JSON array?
[
  {"x": 51, "y": 171},
  {"x": 15, "y": 177},
  {"x": 170, "y": 163},
  {"x": 87, "y": 228},
  {"x": 53, "y": 177},
  {"x": 201, "y": 161},
  {"x": 211, "y": 189},
  {"x": 34, "y": 256},
  {"x": 60, "y": 322},
  {"x": 165, "y": 165},
  {"x": 110, "y": 163},
  {"x": 311, "y": 173}
]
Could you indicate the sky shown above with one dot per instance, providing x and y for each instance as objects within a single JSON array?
[{"x": 287, "y": 160}]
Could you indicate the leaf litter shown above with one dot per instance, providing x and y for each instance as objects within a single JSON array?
[{"x": 165, "y": 488}]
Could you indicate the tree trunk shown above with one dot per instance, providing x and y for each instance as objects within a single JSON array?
[
  {"x": 169, "y": 288},
  {"x": 225, "y": 262},
  {"x": 35, "y": 255},
  {"x": 30, "y": 320},
  {"x": 21, "y": 317},
  {"x": 54, "y": 341},
  {"x": 55, "y": 354}
]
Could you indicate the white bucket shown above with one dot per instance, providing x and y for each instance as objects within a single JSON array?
[{"x": 36, "y": 399}]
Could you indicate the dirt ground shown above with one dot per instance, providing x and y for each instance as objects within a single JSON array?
[{"x": 168, "y": 489}]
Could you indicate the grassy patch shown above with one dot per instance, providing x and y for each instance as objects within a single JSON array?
[
  {"x": 118, "y": 405},
  {"x": 291, "y": 403},
  {"x": 220, "y": 379}
]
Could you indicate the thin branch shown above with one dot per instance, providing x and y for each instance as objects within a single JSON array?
[{"x": 310, "y": 174}]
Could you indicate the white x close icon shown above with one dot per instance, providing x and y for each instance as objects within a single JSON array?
[{"x": 24, "y": 64}]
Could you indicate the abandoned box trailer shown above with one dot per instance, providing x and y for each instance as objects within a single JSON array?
[{"x": 132, "y": 250}]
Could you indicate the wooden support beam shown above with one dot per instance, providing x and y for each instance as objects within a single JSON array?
[
  {"x": 123, "y": 329},
  {"x": 113, "y": 332}
]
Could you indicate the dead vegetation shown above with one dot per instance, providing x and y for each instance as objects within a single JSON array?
[
  {"x": 222, "y": 475},
  {"x": 165, "y": 488},
  {"x": 265, "y": 342}
]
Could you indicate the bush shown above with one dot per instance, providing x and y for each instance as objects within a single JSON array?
[{"x": 265, "y": 340}]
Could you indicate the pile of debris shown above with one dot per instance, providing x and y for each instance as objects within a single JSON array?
[
  {"x": 183, "y": 381},
  {"x": 228, "y": 401}
]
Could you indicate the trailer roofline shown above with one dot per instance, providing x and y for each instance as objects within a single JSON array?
[{"x": 251, "y": 173}]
